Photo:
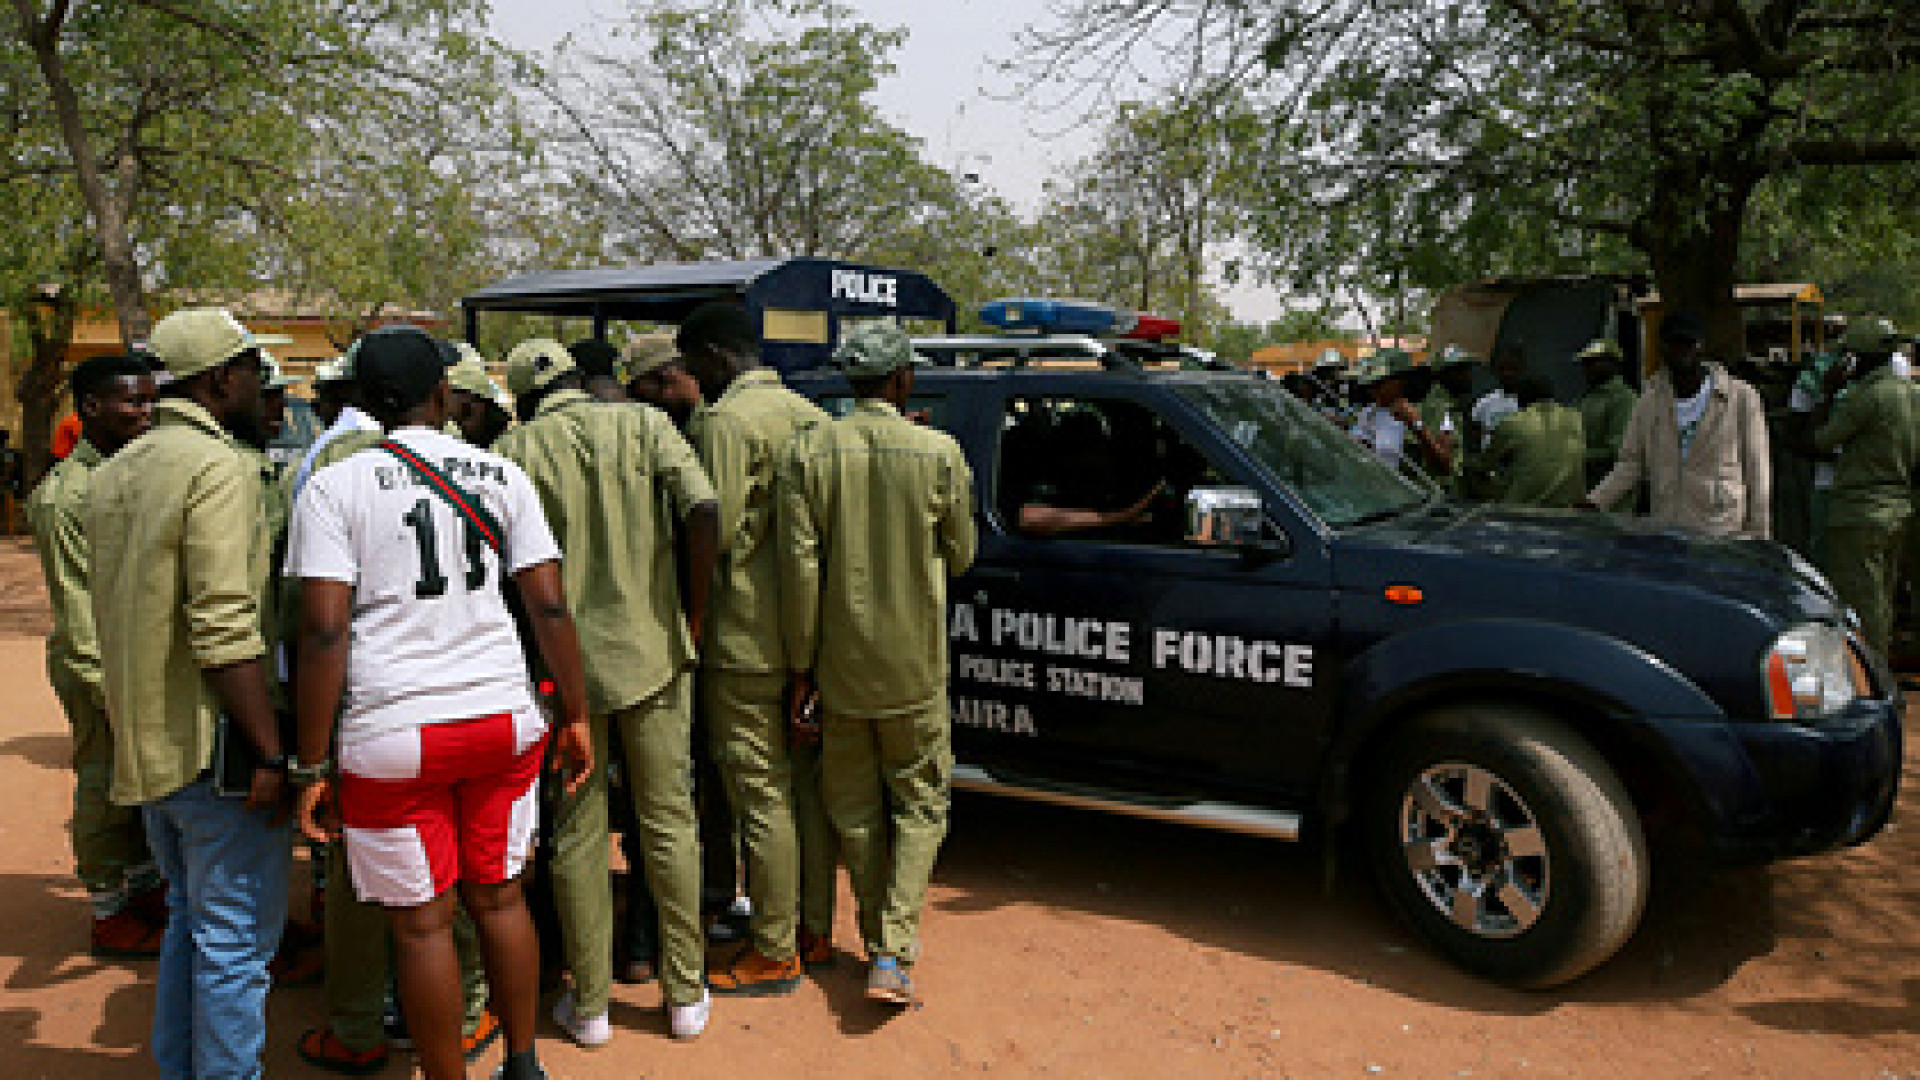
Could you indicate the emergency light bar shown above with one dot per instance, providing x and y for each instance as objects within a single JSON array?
[
  {"x": 1057, "y": 316},
  {"x": 1152, "y": 328}
]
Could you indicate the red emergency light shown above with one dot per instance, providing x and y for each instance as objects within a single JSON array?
[{"x": 1152, "y": 327}]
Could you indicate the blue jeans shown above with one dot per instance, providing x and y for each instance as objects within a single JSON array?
[{"x": 226, "y": 871}]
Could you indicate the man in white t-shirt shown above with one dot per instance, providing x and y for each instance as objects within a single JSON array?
[{"x": 406, "y": 635}]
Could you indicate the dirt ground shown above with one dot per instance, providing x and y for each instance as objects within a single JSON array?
[{"x": 1062, "y": 943}]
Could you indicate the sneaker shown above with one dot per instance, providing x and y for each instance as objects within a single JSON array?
[
  {"x": 816, "y": 950},
  {"x": 485, "y": 1031},
  {"x": 322, "y": 1048},
  {"x": 888, "y": 981},
  {"x": 125, "y": 935},
  {"x": 754, "y": 974},
  {"x": 588, "y": 1031},
  {"x": 688, "y": 1021},
  {"x": 500, "y": 1072}
]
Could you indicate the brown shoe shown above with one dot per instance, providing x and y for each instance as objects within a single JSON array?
[
  {"x": 297, "y": 965},
  {"x": 125, "y": 935},
  {"x": 816, "y": 950},
  {"x": 321, "y": 1047},
  {"x": 753, "y": 974}
]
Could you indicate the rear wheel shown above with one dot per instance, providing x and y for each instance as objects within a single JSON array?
[{"x": 1508, "y": 842}]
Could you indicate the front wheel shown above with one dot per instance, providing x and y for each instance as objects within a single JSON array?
[{"x": 1508, "y": 842}]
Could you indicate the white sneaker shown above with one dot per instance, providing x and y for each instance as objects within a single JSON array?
[
  {"x": 588, "y": 1031},
  {"x": 690, "y": 1020}
]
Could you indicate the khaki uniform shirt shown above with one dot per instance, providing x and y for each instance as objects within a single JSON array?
[
  {"x": 286, "y": 590},
  {"x": 277, "y": 504},
  {"x": 876, "y": 515},
  {"x": 57, "y": 513},
  {"x": 1540, "y": 453},
  {"x": 179, "y": 538},
  {"x": 1604, "y": 412},
  {"x": 613, "y": 479},
  {"x": 742, "y": 440},
  {"x": 1876, "y": 428}
]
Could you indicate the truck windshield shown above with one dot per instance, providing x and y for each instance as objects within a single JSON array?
[{"x": 1331, "y": 473}]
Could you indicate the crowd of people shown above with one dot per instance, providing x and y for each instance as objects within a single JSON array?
[
  {"x": 466, "y": 634},
  {"x": 1822, "y": 457}
]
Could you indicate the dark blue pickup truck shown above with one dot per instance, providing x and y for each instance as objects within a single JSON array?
[{"x": 1272, "y": 632}]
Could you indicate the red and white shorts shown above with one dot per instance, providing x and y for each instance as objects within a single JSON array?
[{"x": 429, "y": 806}]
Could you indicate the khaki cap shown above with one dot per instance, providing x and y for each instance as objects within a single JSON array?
[
  {"x": 873, "y": 350},
  {"x": 644, "y": 356},
  {"x": 535, "y": 363},
  {"x": 470, "y": 375},
  {"x": 192, "y": 340}
]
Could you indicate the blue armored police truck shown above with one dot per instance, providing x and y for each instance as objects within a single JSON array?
[{"x": 1271, "y": 632}]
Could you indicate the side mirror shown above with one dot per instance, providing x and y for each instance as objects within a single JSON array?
[{"x": 1234, "y": 518}]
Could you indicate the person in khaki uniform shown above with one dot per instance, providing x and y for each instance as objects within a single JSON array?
[
  {"x": 1605, "y": 408},
  {"x": 656, "y": 375},
  {"x": 615, "y": 480},
  {"x": 741, "y": 439},
  {"x": 1698, "y": 439},
  {"x": 482, "y": 411},
  {"x": 1537, "y": 456},
  {"x": 114, "y": 399},
  {"x": 180, "y": 563},
  {"x": 1876, "y": 429},
  {"x": 876, "y": 515}
]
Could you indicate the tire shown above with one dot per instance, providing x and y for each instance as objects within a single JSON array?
[{"x": 1524, "y": 813}]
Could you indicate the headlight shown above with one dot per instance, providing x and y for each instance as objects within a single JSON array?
[{"x": 1811, "y": 674}]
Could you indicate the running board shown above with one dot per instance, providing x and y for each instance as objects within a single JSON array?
[{"x": 1227, "y": 817}]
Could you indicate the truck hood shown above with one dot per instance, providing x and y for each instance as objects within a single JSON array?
[{"x": 1616, "y": 551}]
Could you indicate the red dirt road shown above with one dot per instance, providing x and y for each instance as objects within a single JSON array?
[{"x": 1069, "y": 944}]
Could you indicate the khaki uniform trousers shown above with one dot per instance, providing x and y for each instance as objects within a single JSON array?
[
  {"x": 1862, "y": 564},
  {"x": 656, "y": 734},
  {"x": 108, "y": 840},
  {"x": 819, "y": 844},
  {"x": 746, "y": 724},
  {"x": 360, "y": 961},
  {"x": 886, "y": 788}
]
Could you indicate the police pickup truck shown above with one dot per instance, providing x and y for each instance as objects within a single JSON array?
[{"x": 1275, "y": 634}]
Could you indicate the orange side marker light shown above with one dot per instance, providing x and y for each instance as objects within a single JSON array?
[{"x": 1404, "y": 595}]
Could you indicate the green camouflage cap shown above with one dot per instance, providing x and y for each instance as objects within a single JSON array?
[
  {"x": 874, "y": 350},
  {"x": 1871, "y": 334},
  {"x": 1600, "y": 349},
  {"x": 535, "y": 363},
  {"x": 1452, "y": 356},
  {"x": 1384, "y": 364},
  {"x": 192, "y": 340}
]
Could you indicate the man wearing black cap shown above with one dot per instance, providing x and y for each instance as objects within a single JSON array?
[
  {"x": 1698, "y": 439},
  {"x": 400, "y": 550},
  {"x": 597, "y": 362}
]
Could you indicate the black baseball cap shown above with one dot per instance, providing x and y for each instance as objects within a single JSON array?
[{"x": 398, "y": 366}]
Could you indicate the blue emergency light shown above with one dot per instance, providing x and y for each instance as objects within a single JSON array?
[{"x": 1056, "y": 316}]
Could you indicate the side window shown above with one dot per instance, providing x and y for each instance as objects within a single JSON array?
[
  {"x": 930, "y": 409},
  {"x": 1084, "y": 469}
]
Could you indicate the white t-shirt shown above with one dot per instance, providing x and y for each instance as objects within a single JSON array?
[
  {"x": 1493, "y": 407},
  {"x": 1382, "y": 432},
  {"x": 431, "y": 640},
  {"x": 350, "y": 419},
  {"x": 1689, "y": 411}
]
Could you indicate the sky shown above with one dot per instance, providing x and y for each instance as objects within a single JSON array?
[{"x": 945, "y": 91}]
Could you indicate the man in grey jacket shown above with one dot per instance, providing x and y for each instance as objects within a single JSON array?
[{"x": 1698, "y": 439}]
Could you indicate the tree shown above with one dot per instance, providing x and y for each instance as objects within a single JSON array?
[
  {"x": 198, "y": 123},
  {"x": 1418, "y": 143},
  {"x": 743, "y": 129}
]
